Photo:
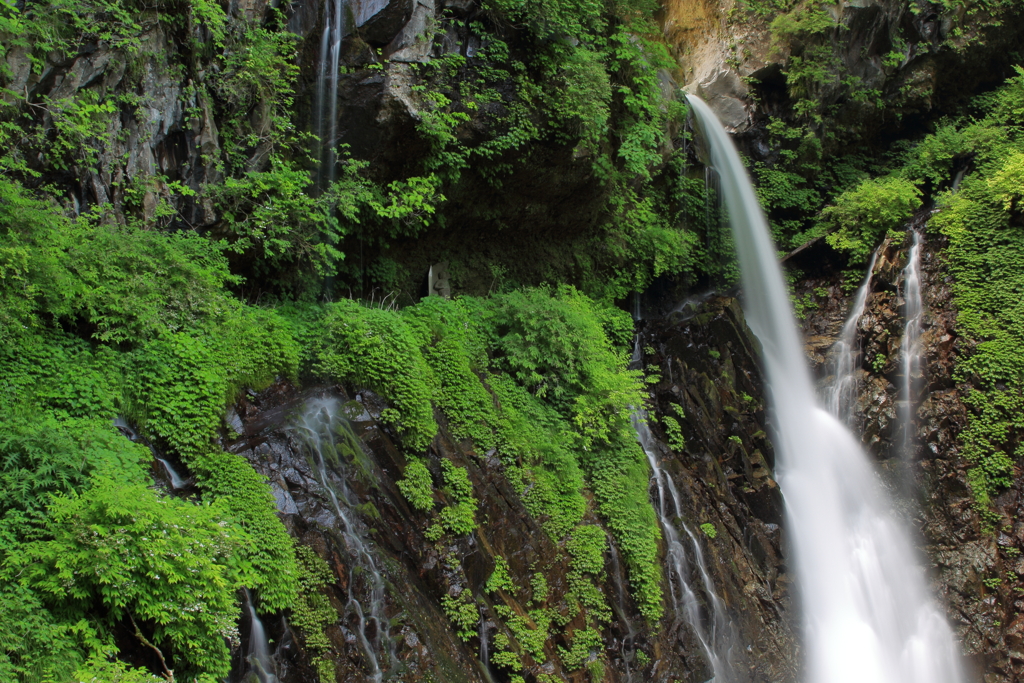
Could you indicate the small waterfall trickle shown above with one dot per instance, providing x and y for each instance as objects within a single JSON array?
[
  {"x": 172, "y": 474},
  {"x": 628, "y": 648},
  {"x": 485, "y": 655},
  {"x": 842, "y": 393},
  {"x": 176, "y": 481},
  {"x": 715, "y": 634},
  {"x": 323, "y": 434},
  {"x": 867, "y": 613},
  {"x": 910, "y": 347},
  {"x": 258, "y": 656},
  {"x": 325, "y": 115}
]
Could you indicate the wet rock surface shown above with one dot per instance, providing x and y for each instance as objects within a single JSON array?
[
  {"x": 721, "y": 461},
  {"x": 723, "y": 473}
]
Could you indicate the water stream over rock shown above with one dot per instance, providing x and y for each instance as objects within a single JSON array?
[
  {"x": 325, "y": 437},
  {"x": 261, "y": 665},
  {"x": 326, "y": 105},
  {"x": 910, "y": 347},
  {"x": 715, "y": 633},
  {"x": 842, "y": 392},
  {"x": 867, "y": 614}
]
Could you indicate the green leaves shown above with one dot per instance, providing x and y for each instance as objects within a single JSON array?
[
  {"x": 861, "y": 216},
  {"x": 165, "y": 561}
]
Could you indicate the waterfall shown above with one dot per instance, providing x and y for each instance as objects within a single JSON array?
[
  {"x": 320, "y": 427},
  {"x": 867, "y": 615},
  {"x": 842, "y": 393},
  {"x": 628, "y": 648},
  {"x": 910, "y": 349},
  {"x": 176, "y": 481},
  {"x": 258, "y": 657},
  {"x": 717, "y": 636},
  {"x": 325, "y": 113}
]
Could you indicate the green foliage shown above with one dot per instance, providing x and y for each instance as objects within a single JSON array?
[
  {"x": 136, "y": 554},
  {"x": 458, "y": 517},
  {"x": 313, "y": 612},
  {"x": 531, "y": 630},
  {"x": 598, "y": 93},
  {"x": 802, "y": 22},
  {"x": 129, "y": 284},
  {"x": 499, "y": 580},
  {"x": 709, "y": 530},
  {"x": 462, "y": 612},
  {"x": 982, "y": 222},
  {"x": 586, "y": 545},
  {"x": 35, "y": 645},
  {"x": 861, "y": 216},
  {"x": 676, "y": 439},
  {"x": 504, "y": 656},
  {"x": 417, "y": 485},
  {"x": 539, "y": 588},
  {"x": 376, "y": 349},
  {"x": 582, "y": 643}
]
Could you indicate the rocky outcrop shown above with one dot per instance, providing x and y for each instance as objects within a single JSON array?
[
  {"x": 720, "y": 463},
  {"x": 878, "y": 55}
]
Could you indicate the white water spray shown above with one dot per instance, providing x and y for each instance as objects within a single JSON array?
[
  {"x": 627, "y": 649},
  {"x": 842, "y": 393},
  {"x": 320, "y": 428},
  {"x": 866, "y": 610},
  {"x": 176, "y": 481},
  {"x": 910, "y": 347},
  {"x": 172, "y": 474}
]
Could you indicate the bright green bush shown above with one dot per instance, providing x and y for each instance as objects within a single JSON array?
[
  {"x": 862, "y": 216},
  {"x": 376, "y": 349},
  {"x": 158, "y": 560},
  {"x": 417, "y": 485}
]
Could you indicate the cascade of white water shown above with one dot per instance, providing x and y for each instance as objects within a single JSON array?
[
  {"x": 715, "y": 634},
  {"x": 867, "y": 614},
  {"x": 176, "y": 481},
  {"x": 842, "y": 393},
  {"x": 260, "y": 662},
  {"x": 910, "y": 347},
  {"x": 326, "y": 106},
  {"x": 319, "y": 428}
]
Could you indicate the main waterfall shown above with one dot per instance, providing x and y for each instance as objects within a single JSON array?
[{"x": 867, "y": 614}]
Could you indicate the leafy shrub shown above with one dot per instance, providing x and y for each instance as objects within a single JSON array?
[
  {"x": 139, "y": 555},
  {"x": 376, "y": 349},
  {"x": 417, "y": 485},
  {"x": 861, "y": 216}
]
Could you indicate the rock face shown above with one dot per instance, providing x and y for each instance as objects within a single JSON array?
[
  {"x": 732, "y": 55},
  {"x": 709, "y": 381}
]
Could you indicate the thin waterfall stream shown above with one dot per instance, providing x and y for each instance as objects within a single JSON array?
[
  {"x": 326, "y": 106},
  {"x": 715, "y": 633},
  {"x": 842, "y": 392},
  {"x": 260, "y": 662},
  {"x": 627, "y": 649},
  {"x": 322, "y": 431},
  {"x": 866, "y": 610},
  {"x": 910, "y": 347}
]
